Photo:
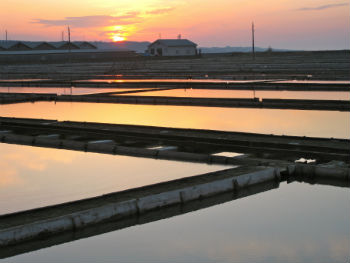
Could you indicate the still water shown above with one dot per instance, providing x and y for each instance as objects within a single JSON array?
[
  {"x": 171, "y": 80},
  {"x": 205, "y": 93},
  {"x": 32, "y": 177},
  {"x": 58, "y": 90},
  {"x": 294, "y": 223},
  {"x": 267, "y": 121},
  {"x": 345, "y": 82}
]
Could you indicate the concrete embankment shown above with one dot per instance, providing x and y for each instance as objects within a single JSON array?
[
  {"x": 43, "y": 222},
  {"x": 193, "y": 84},
  {"x": 328, "y": 105},
  {"x": 187, "y": 144},
  {"x": 112, "y": 148},
  {"x": 38, "y": 224},
  {"x": 10, "y": 98},
  {"x": 139, "y": 219}
]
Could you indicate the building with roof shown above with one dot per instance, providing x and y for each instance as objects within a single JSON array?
[
  {"x": 172, "y": 47},
  {"x": 64, "y": 45},
  {"x": 85, "y": 45},
  {"x": 19, "y": 46},
  {"x": 43, "y": 46}
]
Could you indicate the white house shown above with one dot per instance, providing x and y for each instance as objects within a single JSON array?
[{"x": 172, "y": 47}]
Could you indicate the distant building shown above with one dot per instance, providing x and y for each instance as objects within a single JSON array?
[
  {"x": 172, "y": 47},
  {"x": 43, "y": 46},
  {"x": 19, "y": 46},
  {"x": 65, "y": 45},
  {"x": 85, "y": 45}
]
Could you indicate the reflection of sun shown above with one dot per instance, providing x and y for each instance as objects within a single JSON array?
[{"x": 117, "y": 38}]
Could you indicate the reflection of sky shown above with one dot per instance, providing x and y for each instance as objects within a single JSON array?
[
  {"x": 57, "y": 90},
  {"x": 32, "y": 176},
  {"x": 247, "y": 94},
  {"x": 288, "y": 122},
  {"x": 295, "y": 223},
  {"x": 221, "y": 81}
]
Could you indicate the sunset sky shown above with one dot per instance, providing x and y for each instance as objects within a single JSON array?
[{"x": 293, "y": 24}]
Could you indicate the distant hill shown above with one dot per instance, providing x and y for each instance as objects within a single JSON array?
[{"x": 229, "y": 49}]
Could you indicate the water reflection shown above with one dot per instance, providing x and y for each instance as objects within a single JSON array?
[
  {"x": 59, "y": 90},
  {"x": 206, "y": 93},
  {"x": 315, "y": 81},
  {"x": 268, "y": 121},
  {"x": 294, "y": 223},
  {"x": 33, "y": 177},
  {"x": 172, "y": 80},
  {"x": 345, "y": 82}
]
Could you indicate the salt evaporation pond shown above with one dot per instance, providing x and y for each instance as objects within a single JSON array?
[
  {"x": 268, "y": 121},
  {"x": 294, "y": 223},
  {"x": 33, "y": 177},
  {"x": 249, "y": 94},
  {"x": 59, "y": 90}
]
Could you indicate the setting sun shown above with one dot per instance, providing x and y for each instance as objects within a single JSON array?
[{"x": 117, "y": 38}]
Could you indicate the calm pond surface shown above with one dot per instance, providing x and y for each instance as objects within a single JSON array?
[
  {"x": 206, "y": 93},
  {"x": 346, "y": 82},
  {"x": 269, "y": 121},
  {"x": 172, "y": 80},
  {"x": 294, "y": 223},
  {"x": 59, "y": 90},
  {"x": 32, "y": 177}
]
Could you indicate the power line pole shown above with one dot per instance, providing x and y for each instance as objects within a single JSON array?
[
  {"x": 253, "y": 41},
  {"x": 69, "y": 56},
  {"x": 68, "y": 35},
  {"x": 6, "y": 36}
]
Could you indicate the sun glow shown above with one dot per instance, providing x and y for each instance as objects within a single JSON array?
[
  {"x": 117, "y": 38},
  {"x": 117, "y": 33}
]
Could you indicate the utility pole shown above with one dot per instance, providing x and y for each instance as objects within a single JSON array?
[
  {"x": 253, "y": 41},
  {"x": 69, "y": 56},
  {"x": 6, "y": 36},
  {"x": 62, "y": 37},
  {"x": 69, "y": 39},
  {"x": 68, "y": 35}
]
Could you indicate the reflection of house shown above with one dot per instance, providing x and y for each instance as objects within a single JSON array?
[{"x": 172, "y": 47}]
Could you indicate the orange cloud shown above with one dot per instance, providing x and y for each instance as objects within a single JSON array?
[
  {"x": 160, "y": 11},
  {"x": 322, "y": 7},
  {"x": 92, "y": 21}
]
